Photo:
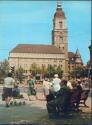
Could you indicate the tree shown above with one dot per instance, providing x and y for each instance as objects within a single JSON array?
[
  {"x": 51, "y": 70},
  {"x": 4, "y": 68},
  {"x": 43, "y": 71},
  {"x": 46, "y": 72},
  {"x": 19, "y": 74},
  {"x": 81, "y": 71},
  {"x": 59, "y": 71},
  {"x": 34, "y": 69}
]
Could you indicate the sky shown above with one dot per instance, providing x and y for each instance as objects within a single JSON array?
[{"x": 31, "y": 22}]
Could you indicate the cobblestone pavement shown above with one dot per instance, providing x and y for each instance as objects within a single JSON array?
[{"x": 36, "y": 112}]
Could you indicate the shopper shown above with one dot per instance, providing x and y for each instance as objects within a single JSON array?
[{"x": 8, "y": 86}]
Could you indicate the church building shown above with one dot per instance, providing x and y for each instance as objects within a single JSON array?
[
  {"x": 25, "y": 55},
  {"x": 56, "y": 54}
]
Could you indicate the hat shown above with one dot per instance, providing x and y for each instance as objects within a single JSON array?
[{"x": 56, "y": 75}]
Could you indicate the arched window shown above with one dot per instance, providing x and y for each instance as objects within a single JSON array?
[{"x": 60, "y": 24}]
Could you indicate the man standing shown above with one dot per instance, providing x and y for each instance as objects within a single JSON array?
[
  {"x": 31, "y": 89},
  {"x": 46, "y": 88},
  {"x": 56, "y": 83},
  {"x": 8, "y": 86},
  {"x": 79, "y": 89}
]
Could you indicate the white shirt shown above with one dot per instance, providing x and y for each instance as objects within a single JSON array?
[
  {"x": 9, "y": 82},
  {"x": 56, "y": 84},
  {"x": 46, "y": 86}
]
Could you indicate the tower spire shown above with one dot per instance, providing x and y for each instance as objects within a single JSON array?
[{"x": 58, "y": 4}]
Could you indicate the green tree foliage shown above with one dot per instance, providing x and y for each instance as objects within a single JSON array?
[
  {"x": 34, "y": 69},
  {"x": 88, "y": 64},
  {"x": 19, "y": 74},
  {"x": 51, "y": 70},
  {"x": 43, "y": 71},
  {"x": 59, "y": 71},
  {"x": 4, "y": 69},
  {"x": 81, "y": 71},
  {"x": 46, "y": 72}
]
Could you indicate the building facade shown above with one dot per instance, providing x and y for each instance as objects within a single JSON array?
[
  {"x": 25, "y": 55},
  {"x": 59, "y": 33},
  {"x": 74, "y": 60}
]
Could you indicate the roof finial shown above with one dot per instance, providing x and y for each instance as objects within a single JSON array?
[{"x": 58, "y": 4}]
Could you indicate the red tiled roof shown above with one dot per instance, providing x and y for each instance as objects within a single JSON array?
[{"x": 29, "y": 48}]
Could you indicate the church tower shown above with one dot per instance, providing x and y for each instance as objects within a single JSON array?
[
  {"x": 78, "y": 60},
  {"x": 59, "y": 33}
]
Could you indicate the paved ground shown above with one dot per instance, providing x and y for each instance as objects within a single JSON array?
[
  {"x": 31, "y": 112},
  {"x": 35, "y": 112}
]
